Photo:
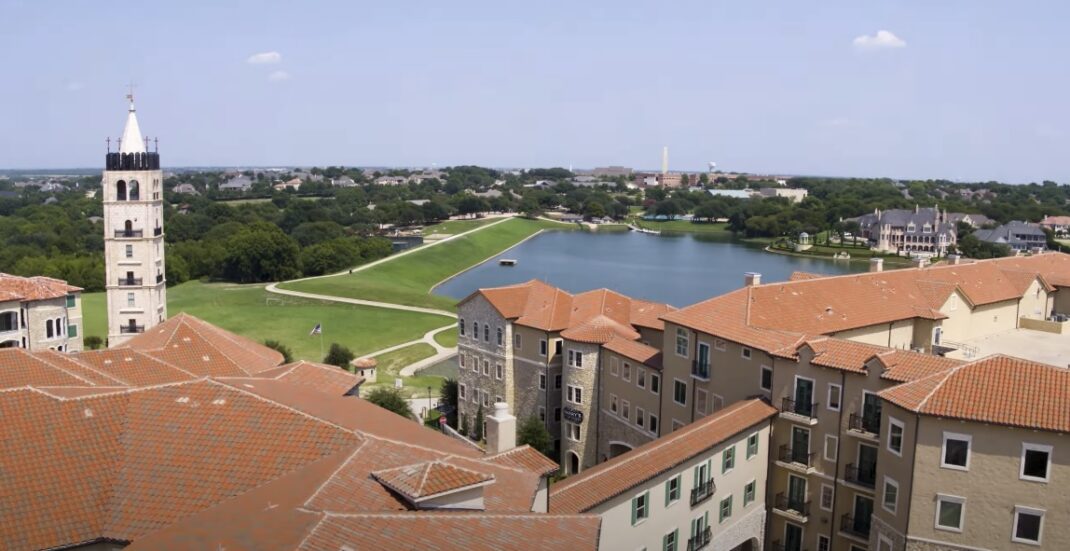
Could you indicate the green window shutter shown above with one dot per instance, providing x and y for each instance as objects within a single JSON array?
[
  {"x": 668, "y": 484},
  {"x": 695, "y": 479},
  {"x": 634, "y": 504},
  {"x": 709, "y": 469},
  {"x": 72, "y": 330}
]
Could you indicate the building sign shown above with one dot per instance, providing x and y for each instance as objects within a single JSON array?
[{"x": 572, "y": 415}]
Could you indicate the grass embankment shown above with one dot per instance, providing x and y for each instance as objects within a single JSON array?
[
  {"x": 409, "y": 279},
  {"x": 683, "y": 226},
  {"x": 391, "y": 364},
  {"x": 453, "y": 227},
  {"x": 244, "y": 310},
  {"x": 857, "y": 252},
  {"x": 447, "y": 338}
]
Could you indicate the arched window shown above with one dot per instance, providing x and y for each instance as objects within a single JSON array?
[
  {"x": 486, "y": 332},
  {"x": 475, "y": 329},
  {"x": 9, "y": 344},
  {"x": 128, "y": 229},
  {"x": 120, "y": 191},
  {"x": 48, "y": 329},
  {"x": 460, "y": 326},
  {"x": 573, "y": 463},
  {"x": 135, "y": 191}
]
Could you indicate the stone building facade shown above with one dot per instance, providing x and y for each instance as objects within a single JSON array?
[{"x": 40, "y": 313}]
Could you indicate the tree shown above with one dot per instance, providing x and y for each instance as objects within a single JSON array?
[
  {"x": 472, "y": 205},
  {"x": 330, "y": 256},
  {"x": 310, "y": 233},
  {"x": 93, "y": 342},
  {"x": 448, "y": 393},
  {"x": 533, "y": 433},
  {"x": 390, "y": 398},
  {"x": 338, "y": 355},
  {"x": 479, "y": 424},
  {"x": 593, "y": 209},
  {"x": 177, "y": 270},
  {"x": 287, "y": 355},
  {"x": 685, "y": 180},
  {"x": 262, "y": 252}
]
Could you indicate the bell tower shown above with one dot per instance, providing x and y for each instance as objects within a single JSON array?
[{"x": 133, "y": 235}]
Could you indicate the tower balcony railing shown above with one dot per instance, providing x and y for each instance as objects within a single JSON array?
[
  {"x": 802, "y": 409},
  {"x": 129, "y": 329},
  {"x": 129, "y": 281},
  {"x": 864, "y": 423},
  {"x": 862, "y": 475},
  {"x": 855, "y": 526},
  {"x": 797, "y": 456},
  {"x": 793, "y": 505},
  {"x": 129, "y": 233},
  {"x": 157, "y": 232}
]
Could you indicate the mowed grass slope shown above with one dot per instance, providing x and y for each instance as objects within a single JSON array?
[
  {"x": 409, "y": 279},
  {"x": 244, "y": 310},
  {"x": 453, "y": 227}
]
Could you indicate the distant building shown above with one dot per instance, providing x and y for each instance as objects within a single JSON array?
[
  {"x": 188, "y": 189},
  {"x": 238, "y": 183},
  {"x": 390, "y": 180},
  {"x": 1019, "y": 236},
  {"x": 796, "y": 195},
  {"x": 590, "y": 181},
  {"x": 1058, "y": 224},
  {"x": 733, "y": 193},
  {"x": 294, "y": 184},
  {"x": 923, "y": 230},
  {"x": 40, "y": 313},
  {"x": 611, "y": 171},
  {"x": 344, "y": 181}
]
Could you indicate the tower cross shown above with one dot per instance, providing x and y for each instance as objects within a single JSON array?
[{"x": 130, "y": 92}]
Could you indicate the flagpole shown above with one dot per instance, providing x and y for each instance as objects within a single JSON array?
[{"x": 321, "y": 343}]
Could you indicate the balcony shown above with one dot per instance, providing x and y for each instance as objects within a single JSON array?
[
  {"x": 701, "y": 540},
  {"x": 864, "y": 426},
  {"x": 855, "y": 527},
  {"x": 131, "y": 329},
  {"x": 702, "y": 492},
  {"x": 129, "y": 233},
  {"x": 700, "y": 370},
  {"x": 799, "y": 411},
  {"x": 865, "y": 475},
  {"x": 129, "y": 281},
  {"x": 793, "y": 507},
  {"x": 797, "y": 460},
  {"x": 157, "y": 232},
  {"x": 159, "y": 278}
]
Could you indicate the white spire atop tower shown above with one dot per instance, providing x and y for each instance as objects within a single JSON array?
[{"x": 132, "y": 142}]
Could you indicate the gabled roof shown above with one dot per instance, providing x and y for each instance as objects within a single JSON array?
[
  {"x": 633, "y": 350},
  {"x": 902, "y": 366},
  {"x": 426, "y": 480},
  {"x": 14, "y": 287},
  {"x": 997, "y": 389},
  {"x": 525, "y": 457},
  {"x": 582, "y": 492},
  {"x": 204, "y": 349}
]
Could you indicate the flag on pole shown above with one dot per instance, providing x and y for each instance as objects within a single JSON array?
[{"x": 317, "y": 330}]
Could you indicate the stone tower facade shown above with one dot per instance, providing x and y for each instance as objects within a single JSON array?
[{"x": 133, "y": 236}]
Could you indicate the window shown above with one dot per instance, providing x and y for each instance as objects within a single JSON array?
[
  {"x": 823, "y": 542},
  {"x": 573, "y": 431},
  {"x": 575, "y": 394},
  {"x": 832, "y": 444},
  {"x": 1036, "y": 462},
  {"x": 462, "y": 391},
  {"x": 475, "y": 329},
  {"x": 542, "y": 347},
  {"x": 460, "y": 326},
  {"x": 542, "y": 381},
  {"x": 668, "y": 542},
  {"x": 626, "y": 371},
  {"x": 130, "y": 251},
  {"x": 516, "y": 341},
  {"x": 728, "y": 459},
  {"x": 49, "y": 332},
  {"x": 890, "y": 500},
  {"x": 681, "y": 342},
  {"x": 486, "y": 402},
  {"x": 835, "y": 391},
  {"x": 557, "y": 347},
  {"x": 726, "y": 509},
  {"x": 575, "y": 358},
  {"x": 653, "y": 419},
  {"x": 626, "y": 409},
  {"x": 640, "y": 377},
  {"x": 486, "y": 367},
  {"x": 700, "y": 401},
  {"x": 767, "y": 378},
  {"x": 1028, "y": 525},
  {"x": 72, "y": 330},
  {"x": 557, "y": 381},
  {"x": 542, "y": 414},
  {"x": 640, "y": 508},
  {"x": 752, "y": 445},
  {"x": 745, "y": 353},
  {"x": 826, "y": 498},
  {"x": 486, "y": 332},
  {"x": 498, "y": 371},
  {"x": 613, "y": 403},
  {"x": 679, "y": 392},
  {"x": 895, "y": 436},
  {"x": 71, "y": 301},
  {"x": 613, "y": 369},
  {"x": 460, "y": 360},
  {"x": 949, "y": 512},
  {"x": 130, "y": 300},
  {"x": 499, "y": 336},
  {"x": 748, "y": 492},
  {"x": 677, "y": 425},
  {"x": 655, "y": 383},
  {"x": 498, "y": 400},
  {"x": 956, "y": 451},
  {"x": 640, "y": 417},
  {"x": 557, "y": 415}
]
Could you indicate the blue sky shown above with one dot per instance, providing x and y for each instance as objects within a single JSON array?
[{"x": 958, "y": 89}]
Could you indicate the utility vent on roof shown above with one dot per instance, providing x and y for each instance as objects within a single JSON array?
[
  {"x": 247, "y": 385},
  {"x": 828, "y": 310},
  {"x": 128, "y": 359},
  {"x": 206, "y": 358},
  {"x": 185, "y": 339},
  {"x": 219, "y": 401},
  {"x": 88, "y": 412},
  {"x": 183, "y": 400},
  {"x": 107, "y": 362}
]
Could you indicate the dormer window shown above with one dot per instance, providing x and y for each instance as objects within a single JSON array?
[{"x": 437, "y": 485}]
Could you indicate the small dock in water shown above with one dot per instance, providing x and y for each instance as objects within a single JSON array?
[{"x": 507, "y": 262}]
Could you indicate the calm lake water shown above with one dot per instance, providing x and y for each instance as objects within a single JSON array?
[{"x": 678, "y": 269}]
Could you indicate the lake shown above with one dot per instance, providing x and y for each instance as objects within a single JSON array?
[{"x": 678, "y": 269}]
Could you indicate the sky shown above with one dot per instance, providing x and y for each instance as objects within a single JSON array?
[{"x": 965, "y": 90}]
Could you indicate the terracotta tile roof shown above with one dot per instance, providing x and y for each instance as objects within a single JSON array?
[
  {"x": 525, "y": 457},
  {"x": 800, "y": 276},
  {"x": 472, "y": 532},
  {"x": 324, "y": 378},
  {"x": 633, "y": 350},
  {"x": 593, "y": 316},
  {"x": 204, "y": 349},
  {"x": 841, "y": 353},
  {"x": 903, "y": 365},
  {"x": 19, "y": 368},
  {"x": 13, "y": 287},
  {"x": 580, "y": 493},
  {"x": 726, "y": 317},
  {"x": 133, "y": 368},
  {"x": 429, "y": 479},
  {"x": 997, "y": 389}
]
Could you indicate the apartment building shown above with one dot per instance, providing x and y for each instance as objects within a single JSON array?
[
  {"x": 700, "y": 487},
  {"x": 40, "y": 313},
  {"x": 975, "y": 457},
  {"x": 539, "y": 349}
]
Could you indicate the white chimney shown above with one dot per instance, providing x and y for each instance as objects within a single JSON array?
[
  {"x": 751, "y": 279},
  {"x": 501, "y": 429},
  {"x": 876, "y": 264},
  {"x": 954, "y": 259}
]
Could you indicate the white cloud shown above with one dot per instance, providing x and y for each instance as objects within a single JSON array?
[
  {"x": 883, "y": 39},
  {"x": 278, "y": 76},
  {"x": 264, "y": 58}
]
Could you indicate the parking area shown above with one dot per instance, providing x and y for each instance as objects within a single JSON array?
[{"x": 1039, "y": 346}]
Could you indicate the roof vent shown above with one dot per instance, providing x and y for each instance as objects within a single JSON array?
[
  {"x": 183, "y": 400},
  {"x": 219, "y": 401},
  {"x": 107, "y": 361},
  {"x": 88, "y": 412},
  {"x": 751, "y": 279},
  {"x": 128, "y": 359},
  {"x": 828, "y": 310},
  {"x": 206, "y": 358}
]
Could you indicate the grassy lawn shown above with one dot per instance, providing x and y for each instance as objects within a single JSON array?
[
  {"x": 243, "y": 310},
  {"x": 391, "y": 363},
  {"x": 409, "y": 279},
  {"x": 683, "y": 226},
  {"x": 447, "y": 338},
  {"x": 453, "y": 227}
]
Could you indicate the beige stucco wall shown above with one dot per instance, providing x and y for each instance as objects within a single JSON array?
[
  {"x": 1034, "y": 303},
  {"x": 897, "y": 334},
  {"x": 615, "y": 432},
  {"x": 892, "y": 524},
  {"x": 745, "y": 523},
  {"x": 1061, "y": 301}
]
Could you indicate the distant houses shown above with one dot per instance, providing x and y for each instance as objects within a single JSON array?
[
  {"x": 1019, "y": 236},
  {"x": 1058, "y": 224},
  {"x": 239, "y": 183},
  {"x": 187, "y": 189}
]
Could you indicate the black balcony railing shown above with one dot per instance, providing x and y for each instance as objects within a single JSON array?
[
  {"x": 702, "y": 492},
  {"x": 789, "y": 405},
  {"x": 128, "y": 329},
  {"x": 863, "y": 475},
  {"x": 789, "y": 454},
  {"x": 129, "y": 281},
  {"x": 864, "y": 423},
  {"x": 856, "y": 526},
  {"x": 701, "y": 540},
  {"x": 159, "y": 278},
  {"x": 701, "y": 370},
  {"x": 129, "y": 233},
  {"x": 797, "y": 506},
  {"x": 157, "y": 232}
]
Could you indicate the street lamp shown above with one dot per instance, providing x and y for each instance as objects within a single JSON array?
[{"x": 428, "y": 402}]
